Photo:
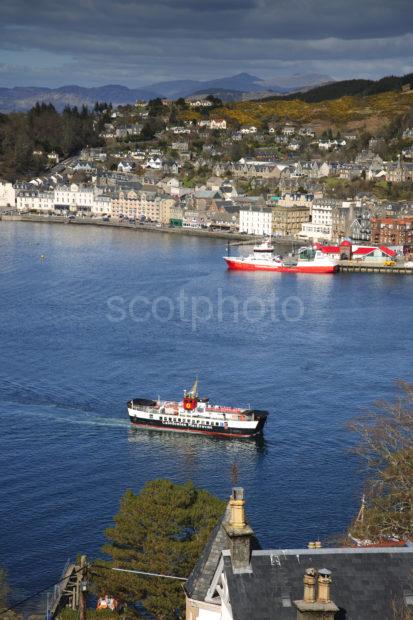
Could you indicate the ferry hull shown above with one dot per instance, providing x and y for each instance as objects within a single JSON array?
[
  {"x": 186, "y": 427},
  {"x": 240, "y": 265}
]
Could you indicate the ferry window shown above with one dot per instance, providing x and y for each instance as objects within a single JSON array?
[
  {"x": 150, "y": 415},
  {"x": 170, "y": 419},
  {"x": 179, "y": 419},
  {"x": 160, "y": 417}
]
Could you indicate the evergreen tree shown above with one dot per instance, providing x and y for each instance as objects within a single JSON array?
[{"x": 161, "y": 530}]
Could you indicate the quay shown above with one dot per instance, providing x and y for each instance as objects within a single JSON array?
[
  {"x": 193, "y": 232},
  {"x": 357, "y": 266}
]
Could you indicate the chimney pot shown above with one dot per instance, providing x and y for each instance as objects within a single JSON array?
[
  {"x": 324, "y": 581},
  {"x": 309, "y": 585},
  {"x": 237, "y": 506}
]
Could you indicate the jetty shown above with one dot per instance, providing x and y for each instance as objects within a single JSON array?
[{"x": 357, "y": 266}]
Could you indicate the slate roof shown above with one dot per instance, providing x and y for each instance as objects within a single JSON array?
[
  {"x": 366, "y": 582},
  {"x": 201, "y": 576}
]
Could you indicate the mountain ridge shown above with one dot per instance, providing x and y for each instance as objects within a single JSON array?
[{"x": 241, "y": 85}]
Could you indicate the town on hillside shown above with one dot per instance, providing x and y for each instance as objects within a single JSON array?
[{"x": 185, "y": 164}]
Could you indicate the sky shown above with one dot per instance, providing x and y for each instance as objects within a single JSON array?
[{"x": 139, "y": 42}]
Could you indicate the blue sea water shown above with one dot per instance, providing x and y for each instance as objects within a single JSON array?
[{"x": 114, "y": 314}]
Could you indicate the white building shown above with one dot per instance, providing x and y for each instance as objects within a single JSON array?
[
  {"x": 154, "y": 164},
  {"x": 256, "y": 221},
  {"x": 102, "y": 205},
  {"x": 35, "y": 200},
  {"x": 74, "y": 197},
  {"x": 321, "y": 225},
  {"x": 248, "y": 129},
  {"x": 198, "y": 103},
  {"x": 7, "y": 195},
  {"x": 218, "y": 123}
]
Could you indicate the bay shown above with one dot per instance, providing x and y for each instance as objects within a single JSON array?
[{"x": 108, "y": 315}]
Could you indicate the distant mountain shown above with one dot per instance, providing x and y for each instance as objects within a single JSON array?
[
  {"x": 297, "y": 81},
  {"x": 241, "y": 85},
  {"x": 24, "y": 98},
  {"x": 232, "y": 88},
  {"x": 311, "y": 88}
]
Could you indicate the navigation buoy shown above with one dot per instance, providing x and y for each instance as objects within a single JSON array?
[{"x": 42, "y": 257}]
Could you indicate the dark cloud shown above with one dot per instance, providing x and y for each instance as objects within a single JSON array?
[{"x": 142, "y": 41}]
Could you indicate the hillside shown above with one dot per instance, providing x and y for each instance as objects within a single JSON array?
[
  {"x": 350, "y": 112},
  {"x": 346, "y": 88}
]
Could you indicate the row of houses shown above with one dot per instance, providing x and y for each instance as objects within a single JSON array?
[
  {"x": 298, "y": 215},
  {"x": 93, "y": 201},
  {"x": 326, "y": 220}
]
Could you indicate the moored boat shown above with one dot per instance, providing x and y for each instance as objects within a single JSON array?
[
  {"x": 307, "y": 260},
  {"x": 196, "y": 415},
  {"x": 264, "y": 247}
]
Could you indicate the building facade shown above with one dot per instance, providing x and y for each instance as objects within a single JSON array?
[
  {"x": 256, "y": 221},
  {"x": 392, "y": 231},
  {"x": 7, "y": 195},
  {"x": 288, "y": 221}
]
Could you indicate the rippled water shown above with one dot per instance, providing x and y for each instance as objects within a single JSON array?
[{"x": 312, "y": 350}]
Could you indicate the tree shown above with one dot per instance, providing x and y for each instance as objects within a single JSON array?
[
  {"x": 4, "y": 589},
  {"x": 216, "y": 101},
  {"x": 161, "y": 530},
  {"x": 386, "y": 443},
  {"x": 155, "y": 107},
  {"x": 181, "y": 104}
]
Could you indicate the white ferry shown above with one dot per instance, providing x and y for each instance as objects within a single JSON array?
[{"x": 196, "y": 415}]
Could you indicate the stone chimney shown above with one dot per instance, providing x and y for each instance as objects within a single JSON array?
[
  {"x": 310, "y": 579},
  {"x": 319, "y": 607},
  {"x": 239, "y": 532},
  {"x": 324, "y": 581}
]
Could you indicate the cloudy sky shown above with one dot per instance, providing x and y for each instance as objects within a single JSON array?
[{"x": 136, "y": 42}]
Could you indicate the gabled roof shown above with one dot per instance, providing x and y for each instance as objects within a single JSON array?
[
  {"x": 387, "y": 250},
  {"x": 329, "y": 249},
  {"x": 202, "y": 574},
  {"x": 366, "y": 583},
  {"x": 365, "y": 251}
]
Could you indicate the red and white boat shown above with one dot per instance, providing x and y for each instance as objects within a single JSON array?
[
  {"x": 196, "y": 415},
  {"x": 307, "y": 260}
]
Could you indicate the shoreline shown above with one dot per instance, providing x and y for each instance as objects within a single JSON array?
[{"x": 192, "y": 232}]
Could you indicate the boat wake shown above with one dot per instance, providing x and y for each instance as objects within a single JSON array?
[{"x": 58, "y": 413}]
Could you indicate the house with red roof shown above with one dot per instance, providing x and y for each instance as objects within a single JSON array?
[
  {"x": 373, "y": 253},
  {"x": 347, "y": 251}
]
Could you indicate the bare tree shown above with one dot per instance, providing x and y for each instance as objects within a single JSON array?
[{"x": 386, "y": 443}]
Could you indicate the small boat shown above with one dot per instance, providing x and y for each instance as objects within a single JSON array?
[
  {"x": 196, "y": 415},
  {"x": 264, "y": 247},
  {"x": 307, "y": 260}
]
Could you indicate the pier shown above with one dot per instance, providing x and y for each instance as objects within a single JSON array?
[{"x": 357, "y": 266}]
